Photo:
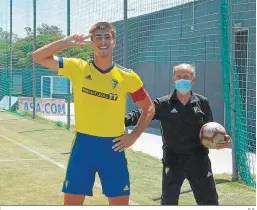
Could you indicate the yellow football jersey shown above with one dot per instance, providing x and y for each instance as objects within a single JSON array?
[{"x": 99, "y": 96}]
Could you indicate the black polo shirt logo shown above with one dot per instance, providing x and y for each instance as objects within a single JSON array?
[
  {"x": 173, "y": 111},
  {"x": 197, "y": 109}
]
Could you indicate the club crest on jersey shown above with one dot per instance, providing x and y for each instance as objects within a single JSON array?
[
  {"x": 114, "y": 83},
  {"x": 88, "y": 77}
]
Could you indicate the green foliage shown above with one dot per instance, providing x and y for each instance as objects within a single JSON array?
[
  {"x": 23, "y": 48},
  {"x": 5, "y": 36},
  {"x": 45, "y": 29}
]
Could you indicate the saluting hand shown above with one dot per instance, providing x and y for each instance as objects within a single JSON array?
[{"x": 77, "y": 40}]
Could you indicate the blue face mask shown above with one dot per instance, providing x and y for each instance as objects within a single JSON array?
[{"x": 183, "y": 86}]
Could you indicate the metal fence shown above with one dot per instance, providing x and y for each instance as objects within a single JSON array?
[{"x": 217, "y": 36}]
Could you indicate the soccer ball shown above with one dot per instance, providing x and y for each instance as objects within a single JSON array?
[{"x": 211, "y": 134}]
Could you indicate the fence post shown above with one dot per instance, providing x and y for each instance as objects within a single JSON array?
[
  {"x": 125, "y": 35},
  {"x": 33, "y": 63},
  {"x": 232, "y": 95},
  {"x": 68, "y": 82},
  {"x": 10, "y": 83},
  {"x": 125, "y": 40}
]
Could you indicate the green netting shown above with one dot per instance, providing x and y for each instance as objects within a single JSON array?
[
  {"x": 238, "y": 39},
  {"x": 244, "y": 79},
  {"x": 244, "y": 156},
  {"x": 218, "y": 37},
  {"x": 163, "y": 34},
  {"x": 51, "y": 24},
  {"x": 225, "y": 52},
  {"x": 182, "y": 31}
]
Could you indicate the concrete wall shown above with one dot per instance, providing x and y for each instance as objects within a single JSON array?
[{"x": 160, "y": 40}]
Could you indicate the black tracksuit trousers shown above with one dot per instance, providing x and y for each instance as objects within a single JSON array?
[{"x": 197, "y": 169}]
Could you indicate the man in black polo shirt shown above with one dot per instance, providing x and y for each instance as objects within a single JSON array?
[{"x": 181, "y": 115}]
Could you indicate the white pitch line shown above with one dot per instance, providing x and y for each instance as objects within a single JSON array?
[
  {"x": 14, "y": 160},
  {"x": 46, "y": 158}
]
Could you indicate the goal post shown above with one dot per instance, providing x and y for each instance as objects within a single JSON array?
[{"x": 54, "y": 85}]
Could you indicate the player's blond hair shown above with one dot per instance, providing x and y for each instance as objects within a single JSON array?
[{"x": 101, "y": 25}]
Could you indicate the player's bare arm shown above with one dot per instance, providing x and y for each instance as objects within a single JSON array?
[
  {"x": 45, "y": 55},
  {"x": 148, "y": 112}
]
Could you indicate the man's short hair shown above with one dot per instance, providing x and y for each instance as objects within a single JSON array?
[
  {"x": 192, "y": 67},
  {"x": 102, "y": 25}
]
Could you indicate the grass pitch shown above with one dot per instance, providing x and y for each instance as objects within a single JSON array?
[{"x": 30, "y": 179}]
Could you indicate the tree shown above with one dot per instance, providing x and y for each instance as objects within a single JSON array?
[
  {"x": 5, "y": 36},
  {"x": 28, "y": 31},
  {"x": 23, "y": 48},
  {"x": 45, "y": 29}
]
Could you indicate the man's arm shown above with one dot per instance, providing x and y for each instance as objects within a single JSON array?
[
  {"x": 132, "y": 118},
  {"x": 148, "y": 112},
  {"x": 45, "y": 55}
]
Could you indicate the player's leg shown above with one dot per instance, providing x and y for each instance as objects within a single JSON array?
[
  {"x": 119, "y": 201},
  {"x": 114, "y": 177},
  {"x": 172, "y": 180},
  {"x": 80, "y": 175},
  {"x": 202, "y": 182},
  {"x": 115, "y": 181},
  {"x": 73, "y": 200},
  {"x": 113, "y": 173}
]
